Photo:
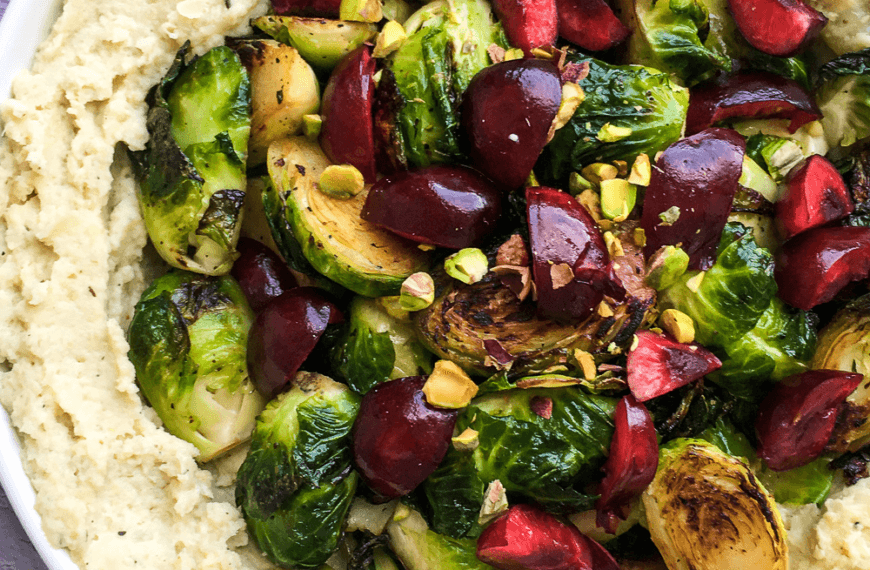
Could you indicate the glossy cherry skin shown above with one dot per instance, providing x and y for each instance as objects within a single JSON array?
[
  {"x": 815, "y": 194},
  {"x": 798, "y": 416},
  {"x": 507, "y": 111},
  {"x": 750, "y": 95},
  {"x": 658, "y": 364},
  {"x": 527, "y": 538},
  {"x": 324, "y": 8},
  {"x": 561, "y": 232},
  {"x": 398, "y": 438},
  {"x": 777, "y": 27},
  {"x": 528, "y": 23},
  {"x": 261, "y": 273},
  {"x": 447, "y": 206},
  {"x": 812, "y": 267},
  {"x": 591, "y": 24},
  {"x": 347, "y": 135},
  {"x": 698, "y": 175},
  {"x": 631, "y": 465},
  {"x": 284, "y": 334}
]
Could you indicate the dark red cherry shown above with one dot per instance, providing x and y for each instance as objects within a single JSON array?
[
  {"x": 347, "y": 132},
  {"x": 570, "y": 263},
  {"x": 507, "y": 111},
  {"x": 591, "y": 24},
  {"x": 658, "y": 364},
  {"x": 447, "y": 206},
  {"x": 261, "y": 272},
  {"x": 528, "y": 23},
  {"x": 777, "y": 27},
  {"x": 815, "y": 194},
  {"x": 323, "y": 8},
  {"x": 797, "y": 417},
  {"x": 750, "y": 95},
  {"x": 398, "y": 438},
  {"x": 813, "y": 266},
  {"x": 631, "y": 465},
  {"x": 690, "y": 193},
  {"x": 284, "y": 334}
]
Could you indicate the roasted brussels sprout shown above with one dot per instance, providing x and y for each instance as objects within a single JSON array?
[
  {"x": 707, "y": 511},
  {"x": 844, "y": 344},
  {"x": 844, "y": 98},
  {"x": 377, "y": 347},
  {"x": 188, "y": 340},
  {"x": 192, "y": 171},
  {"x": 296, "y": 485}
]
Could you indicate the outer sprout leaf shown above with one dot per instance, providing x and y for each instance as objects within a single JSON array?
[{"x": 844, "y": 98}]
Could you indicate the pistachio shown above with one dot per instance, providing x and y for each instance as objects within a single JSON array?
[
  {"x": 618, "y": 198},
  {"x": 341, "y": 181},
  {"x": 311, "y": 125},
  {"x": 614, "y": 245},
  {"x": 532, "y": 180},
  {"x": 572, "y": 96},
  {"x": 590, "y": 200},
  {"x": 494, "y": 503},
  {"x": 577, "y": 184},
  {"x": 426, "y": 247},
  {"x": 612, "y": 133},
  {"x": 449, "y": 386},
  {"x": 417, "y": 292},
  {"x": 361, "y": 10},
  {"x": 598, "y": 171},
  {"x": 513, "y": 53},
  {"x": 466, "y": 441},
  {"x": 679, "y": 325},
  {"x": 621, "y": 167},
  {"x": 390, "y": 39},
  {"x": 468, "y": 265},
  {"x": 694, "y": 283},
  {"x": 604, "y": 310},
  {"x": 669, "y": 216},
  {"x": 665, "y": 266},
  {"x": 587, "y": 363},
  {"x": 639, "y": 237},
  {"x": 641, "y": 171}
]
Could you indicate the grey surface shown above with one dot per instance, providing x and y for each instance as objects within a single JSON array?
[{"x": 16, "y": 551}]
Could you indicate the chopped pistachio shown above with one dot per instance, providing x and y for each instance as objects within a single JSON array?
[
  {"x": 449, "y": 386},
  {"x": 598, "y": 171},
  {"x": 614, "y": 245},
  {"x": 618, "y": 198},
  {"x": 641, "y": 171},
  {"x": 695, "y": 282},
  {"x": 611, "y": 133},
  {"x": 639, "y": 236},
  {"x": 634, "y": 342},
  {"x": 665, "y": 266},
  {"x": 342, "y": 181},
  {"x": 468, "y": 265},
  {"x": 577, "y": 184},
  {"x": 669, "y": 216},
  {"x": 513, "y": 53},
  {"x": 361, "y": 10},
  {"x": 376, "y": 78},
  {"x": 466, "y": 441},
  {"x": 532, "y": 180},
  {"x": 390, "y": 39},
  {"x": 613, "y": 348},
  {"x": 311, "y": 125},
  {"x": 621, "y": 167},
  {"x": 590, "y": 200},
  {"x": 426, "y": 247},
  {"x": 604, "y": 309},
  {"x": 679, "y": 325},
  {"x": 402, "y": 512},
  {"x": 587, "y": 363},
  {"x": 541, "y": 53},
  {"x": 417, "y": 292},
  {"x": 494, "y": 503},
  {"x": 572, "y": 96}
]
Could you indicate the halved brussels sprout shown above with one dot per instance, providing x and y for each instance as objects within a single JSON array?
[
  {"x": 844, "y": 344},
  {"x": 707, "y": 511},
  {"x": 419, "y": 548},
  {"x": 329, "y": 231},
  {"x": 188, "y": 342}
]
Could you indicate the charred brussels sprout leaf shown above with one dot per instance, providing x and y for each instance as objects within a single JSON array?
[
  {"x": 192, "y": 172},
  {"x": 296, "y": 485},
  {"x": 642, "y": 99},
  {"x": 844, "y": 98},
  {"x": 377, "y": 347},
  {"x": 537, "y": 442},
  {"x": 188, "y": 341}
]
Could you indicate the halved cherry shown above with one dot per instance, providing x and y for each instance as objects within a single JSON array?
[
  {"x": 815, "y": 194},
  {"x": 690, "y": 194},
  {"x": 797, "y": 417},
  {"x": 447, "y": 206},
  {"x": 507, "y": 111},
  {"x": 591, "y": 24},
  {"x": 347, "y": 133},
  {"x": 812, "y": 267},
  {"x": 658, "y": 364},
  {"x": 261, "y": 273},
  {"x": 284, "y": 334},
  {"x": 324, "y": 8},
  {"x": 528, "y": 23},
  {"x": 398, "y": 438},
  {"x": 750, "y": 95},
  {"x": 570, "y": 263},
  {"x": 777, "y": 27},
  {"x": 527, "y": 538},
  {"x": 631, "y": 465}
]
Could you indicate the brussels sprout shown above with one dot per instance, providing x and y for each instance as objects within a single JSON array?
[
  {"x": 844, "y": 344},
  {"x": 419, "y": 548},
  {"x": 640, "y": 98},
  {"x": 707, "y": 511},
  {"x": 844, "y": 98},
  {"x": 537, "y": 442},
  {"x": 328, "y": 234},
  {"x": 188, "y": 341},
  {"x": 296, "y": 485},
  {"x": 192, "y": 171},
  {"x": 377, "y": 347}
]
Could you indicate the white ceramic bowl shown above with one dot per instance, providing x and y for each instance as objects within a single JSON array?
[{"x": 25, "y": 23}]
